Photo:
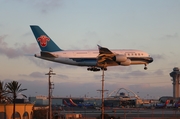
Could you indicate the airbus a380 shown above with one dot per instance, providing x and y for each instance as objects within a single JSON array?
[{"x": 95, "y": 60}]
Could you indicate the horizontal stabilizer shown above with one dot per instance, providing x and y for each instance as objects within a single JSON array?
[{"x": 47, "y": 54}]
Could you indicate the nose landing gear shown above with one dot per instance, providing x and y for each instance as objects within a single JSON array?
[{"x": 145, "y": 67}]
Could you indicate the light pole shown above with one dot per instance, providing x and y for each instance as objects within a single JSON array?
[{"x": 50, "y": 91}]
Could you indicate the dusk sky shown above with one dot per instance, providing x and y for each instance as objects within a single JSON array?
[{"x": 152, "y": 26}]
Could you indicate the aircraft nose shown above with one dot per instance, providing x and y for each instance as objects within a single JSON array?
[{"x": 150, "y": 59}]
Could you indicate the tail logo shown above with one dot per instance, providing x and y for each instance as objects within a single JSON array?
[{"x": 43, "y": 40}]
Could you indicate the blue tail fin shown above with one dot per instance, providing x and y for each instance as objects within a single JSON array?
[{"x": 44, "y": 41}]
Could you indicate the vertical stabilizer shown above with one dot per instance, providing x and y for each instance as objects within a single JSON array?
[{"x": 45, "y": 42}]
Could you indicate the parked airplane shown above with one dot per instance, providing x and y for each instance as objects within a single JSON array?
[
  {"x": 93, "y": 59},
  {"x": 73, "y": 103},
  {"x": 81, "y": 104},
  {"x": 67, "y": 104},
  {"x": 162, "y": 105}
]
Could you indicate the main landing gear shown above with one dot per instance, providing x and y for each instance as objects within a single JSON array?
[
  {"x": 93, "y": 69},
  {"x": 96, "y": 69},
  {"x": 145, "y": 67}
]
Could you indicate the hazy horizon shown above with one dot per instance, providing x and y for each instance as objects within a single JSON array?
[{"x": 151, "y": 26}]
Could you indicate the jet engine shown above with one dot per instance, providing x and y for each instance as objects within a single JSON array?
[
  {"x": 126, "y": 63},
  {"x": 120, "y": 58}
]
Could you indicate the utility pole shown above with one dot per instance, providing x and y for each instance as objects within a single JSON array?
[
  {"x": 102, "y": 110},
  {"x": 50, "y": 91},
  {"x": 102, "y": 95}
]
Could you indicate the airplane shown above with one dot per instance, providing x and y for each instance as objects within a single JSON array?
[
  {"x": 67, "y": 104},
  {"x": 177, "y": 103},
  {"x": 162, "y": 105},
  {"x": 72, "y": 103},
  {"x": 81, "y": 104},
  {"x": 93, "y": 59}
]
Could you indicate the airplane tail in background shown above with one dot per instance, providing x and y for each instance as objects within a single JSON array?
[
  {"x": 45, "y": 42},
  {"x": 65, "y": 103},
  {"x": 71, "y": 101}
]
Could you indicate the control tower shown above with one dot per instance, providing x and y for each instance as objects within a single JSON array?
[{"x": 175, "y": 74}]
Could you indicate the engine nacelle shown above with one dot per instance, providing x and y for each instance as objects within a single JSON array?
[
  {"x": 120, "y": 58},
  {"x": 126, "y": 63}
]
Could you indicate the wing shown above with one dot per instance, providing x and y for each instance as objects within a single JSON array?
[{"x": 105, "y": 57}]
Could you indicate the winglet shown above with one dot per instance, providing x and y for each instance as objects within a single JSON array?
[
  {"x": 99, "y": 46},
  {"x": 104, "y": 50}
]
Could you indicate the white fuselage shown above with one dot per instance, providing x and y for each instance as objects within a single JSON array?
[{"x": 89, "y": 57}]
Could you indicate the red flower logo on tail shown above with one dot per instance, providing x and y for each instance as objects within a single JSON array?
[{"x": 43, "y": 40}]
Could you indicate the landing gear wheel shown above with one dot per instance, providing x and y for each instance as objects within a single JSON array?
[
  {"x": 145, "y": 66},
  {"x": 93, "y": 69},
  {"x": 105, "y": 69}
]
